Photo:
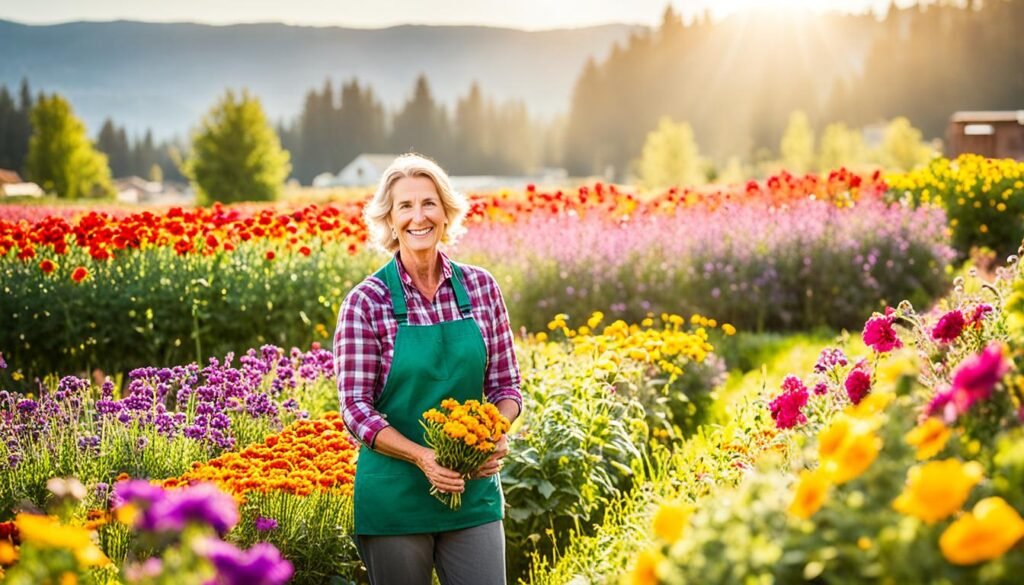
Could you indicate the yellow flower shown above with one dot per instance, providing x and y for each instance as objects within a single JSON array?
[
  {"x": 929, "y": 437},
  {"x": 670, "y": 519},
  {"x": 48, "y": 532},
  {"x": 646, "y": 570},
  {"x": 68, "y": 579},
  {"x": 542, "y": 337},
  {"x": 728, "y": 329},
  {"x": 986, "y": 533},
  {"x": 7, "y": 553},
  {"x": 937, "y": 489},
  {"x": 455, "y": 430},
  {"x": 811, "y": 493},
  {"x": 847, "y": 448}
]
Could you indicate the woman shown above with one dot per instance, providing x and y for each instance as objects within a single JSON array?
[{"x": 422, "y": 329}]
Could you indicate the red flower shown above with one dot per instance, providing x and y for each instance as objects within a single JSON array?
[
  {"x": 305, "y": 251},
  {"x": 47, "y": 266},
  {"x": 271, "y": 255},
  {"x": 858, "y": 384},
  {"x": 949, "y": 326},
  {"x": 80, "y": 274},
  {"x": 26, "y": 253},
  {"x": 879, "y": 334}
]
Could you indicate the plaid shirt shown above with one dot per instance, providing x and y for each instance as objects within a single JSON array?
[{"x": 364, "y": 342}]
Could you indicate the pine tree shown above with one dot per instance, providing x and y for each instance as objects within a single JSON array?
[
  {"x": 60, "y": 157},
  {"x": 236, "y": 155},
  {"x": 670, "y": 156},
  {"x": 422, "y": 126}
]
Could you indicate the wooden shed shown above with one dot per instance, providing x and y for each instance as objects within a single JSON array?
[{"x": 991, "y": 134}]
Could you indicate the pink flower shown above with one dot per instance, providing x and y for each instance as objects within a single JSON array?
[
  {"x": 820, "y": 389},
  {"x": 949, "y": 326},
  {"x": 879, "y": 334},
  {"x": 785, "y": 408},
  {"x": 975, "y": 377},
  {"x": 858, "y": 384},
  {"x": 979, "y": 314}
]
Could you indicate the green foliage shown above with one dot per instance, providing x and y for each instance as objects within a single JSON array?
[
  {"x": 841, "y": 146},
  {"x": 313, "y": 532},
  {"x": 236, "y": 155},
  {"x": 577, "y": 446},
  {"x": 60, "y": 158},
  {"x": 797, "y": 144},
  {"x": 153, "y": 307},
  {"x": 670, "y": 156},
  {"x": 902, "y": 147}
]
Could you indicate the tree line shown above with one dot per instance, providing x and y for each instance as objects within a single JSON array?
[
  {"x": 478, "y": 136},
  {"x": 737, "y": 81}
]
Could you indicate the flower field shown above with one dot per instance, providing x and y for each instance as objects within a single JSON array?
[{"x": 154, "y": 428}]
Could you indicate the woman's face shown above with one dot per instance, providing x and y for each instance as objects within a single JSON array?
[{"x": 417, "y": 214}]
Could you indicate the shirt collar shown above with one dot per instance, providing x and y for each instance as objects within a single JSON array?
[{"x": 446, "y": 268}]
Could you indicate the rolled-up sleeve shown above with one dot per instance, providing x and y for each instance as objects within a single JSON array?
[
  {"x": 503, "y": 379},
  {"x": 357, "y": 363}
]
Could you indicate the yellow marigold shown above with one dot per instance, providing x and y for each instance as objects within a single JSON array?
[
  {"x": 929, "y": 437},
  {"x": 48, "y": 532},
  {"x": 670, "y": 519},
  {"x": 455, "y": 430},
  {"x": 470, "y": 439},
  {"x": 847, "y": 447},
  {"x": 7, "y": 553},
  {"x": 728, "y": 329},
  {"x": 811, "y": 493},
  {"x": 937, "y": 489},
  {"x": 646, "y": 570},
  {"x": 986, "y": 533}
]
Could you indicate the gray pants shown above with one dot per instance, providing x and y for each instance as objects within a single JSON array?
[{"x": 471, "y": 556}]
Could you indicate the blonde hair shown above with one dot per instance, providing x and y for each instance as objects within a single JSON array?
[{"x": 378, "y": 208}]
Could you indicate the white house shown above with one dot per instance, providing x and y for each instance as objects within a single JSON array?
[
  {"x": 11, "y": 185},
  {"x": 364, "y": 170}
]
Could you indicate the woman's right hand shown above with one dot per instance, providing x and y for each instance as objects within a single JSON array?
[{"x": 442, "y": 478}]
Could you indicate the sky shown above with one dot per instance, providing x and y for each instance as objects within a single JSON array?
[{"x": 522, "y": 14}]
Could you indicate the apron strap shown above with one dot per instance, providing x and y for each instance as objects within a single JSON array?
[
  {"x": 394, "y": 283},
  {"x": 397, "y": 292},
  {"x": 465, "y": 307}
]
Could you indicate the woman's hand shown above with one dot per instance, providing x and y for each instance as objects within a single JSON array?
[
  {"x": 494, "y": 463},
  {"x": 442, "y": 478}
]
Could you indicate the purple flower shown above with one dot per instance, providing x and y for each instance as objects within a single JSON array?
[
  {"x": 265, "y": 524},
  {"x": 858, "y": 384},
  {"x": 27, "y": 405},
  {"x": 820, "y": 389},
  {"x": 201, "y": 503},
  {"x": 949, "y": 327},
  {"x": 3, "y": 364},
  {"x": 260, "y": 565},
  {"x": 830, "y": 358},
  {"x": 89, "y": 443},
  {"x": 14, "y": 459},
  {"x": 138, "y": 492},
  {"x": 879, "y": 334}
]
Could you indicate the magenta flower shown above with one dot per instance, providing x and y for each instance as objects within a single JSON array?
[
  {"x": 975, "y": 377},
  {"x": 170, "y": 511},
  {"x": 786, "y": 407},
  {"x": 979, "y": 314},
  {"x": 949, "y": 326},
  {"x": 858, "y": 384},
  {"x": 879, "y": 334},
  {"x": 820, "y": 389},
  {"x": 260, "y": 565}
]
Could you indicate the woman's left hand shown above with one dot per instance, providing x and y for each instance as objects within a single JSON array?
[{"x": 493, "y": 464}]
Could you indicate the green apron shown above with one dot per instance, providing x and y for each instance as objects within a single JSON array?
[{"x": 430, "y": 363}]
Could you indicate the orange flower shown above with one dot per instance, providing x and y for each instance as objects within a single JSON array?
[{"x": 80, "y": 274}]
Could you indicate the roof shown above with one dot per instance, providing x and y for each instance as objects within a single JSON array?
[
  {"x": 381, "y": 161},
  {"x": 8, "y": 176},
  {"x": 989, "y": 116}
]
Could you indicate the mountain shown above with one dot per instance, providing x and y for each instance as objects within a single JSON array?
[{"x": 164, "y": 76}]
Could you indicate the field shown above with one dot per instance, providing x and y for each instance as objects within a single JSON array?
[{"x": 806, "y": 378}]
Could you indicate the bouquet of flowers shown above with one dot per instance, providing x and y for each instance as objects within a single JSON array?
[{"x": 463, "y": 436}]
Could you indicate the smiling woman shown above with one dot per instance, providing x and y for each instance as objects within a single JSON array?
[{"x": 420, "y": 332}]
